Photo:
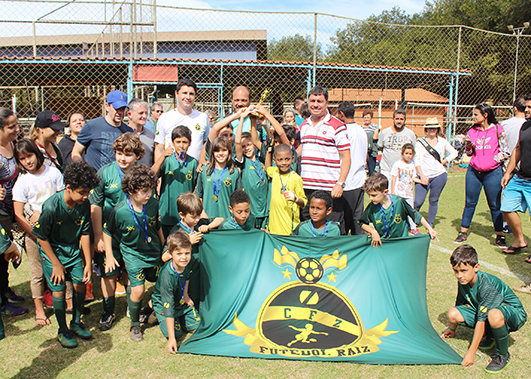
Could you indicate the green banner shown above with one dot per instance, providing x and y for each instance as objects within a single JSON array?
[{"x": 328, "y": 299}]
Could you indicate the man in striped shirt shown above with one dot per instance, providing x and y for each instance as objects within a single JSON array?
[{"x": 325, "y": 154}]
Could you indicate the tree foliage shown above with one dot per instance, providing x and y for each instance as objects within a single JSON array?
[{"x": 296, "y": 48}]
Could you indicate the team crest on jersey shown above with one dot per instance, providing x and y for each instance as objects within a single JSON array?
[
  {"x": 152, "y": 220},
  {"x": 189, "y": 175},
  {"x": 305, "y": 317},
  {"x": 141, "y": 275},
  {"x": 170, "y": 172},
  {"x": 398, "y": 219},
  {"x": 80, "y": 220},
  {"x": 197, "y": 127},
  {"x": 228, "y": 182}
]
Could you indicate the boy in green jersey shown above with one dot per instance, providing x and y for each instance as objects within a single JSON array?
[
  {"x": 127, "y": 150},
  {"x": 64, "y": 226},
  {"x": 174, "y": 309},
  {"x": 178, "y": 173},
  {"x": 11, "y": 253},
  {"x": 485, "y": 303},
  {"x": 136, "y": 220},
  {"x": 317, "y": 225},
  {"x": 388, "y": 213},
  {"x": 240, "y": 207}
]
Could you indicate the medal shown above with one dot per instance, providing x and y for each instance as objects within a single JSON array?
[
  {"x": 145, "y": 230},
  {"x": 181, "y": 301},
  {"x": 217, "y": 183},
  {"x": 148, "y": 240},
  {"x": 185, "y": 274},
  {"x": 261, "y": 182},
  {"x": 215, "y": 198}
]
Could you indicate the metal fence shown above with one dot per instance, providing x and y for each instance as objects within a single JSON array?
[{"x": 67, "y": 55}]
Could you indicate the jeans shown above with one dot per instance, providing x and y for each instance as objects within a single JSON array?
[
  {"x": 491, "y": 181},
  {"x": 371, "y": 165},
  {"x": 435, "y": 187}
]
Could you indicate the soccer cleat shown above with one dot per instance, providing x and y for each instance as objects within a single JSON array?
[
  {"x": 106, "y": 321},
  {"x": 120, "y": 289},
  {"x": 461, "y": 237},
  {"x": 12, "y": 297},
  {"x": 80, "y": 329},
  {"x": 89, "y": 295},
  {"x": 498, "y": 363},
  {"x": 487, "y": 343},
  {"x": 47, "y": 299},
  {"x": 500, "y": 241},
  {"x": 12, "y": 310},
  {"x": 136, "y": 333},
  {"x": 66, "y": 339}
]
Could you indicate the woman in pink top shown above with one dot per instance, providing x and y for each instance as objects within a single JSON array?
[{"x": 487, "y": 144}]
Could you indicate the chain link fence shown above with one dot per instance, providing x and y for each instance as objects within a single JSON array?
[{"x": 66, "y": 56}]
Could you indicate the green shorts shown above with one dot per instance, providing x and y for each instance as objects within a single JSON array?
[
  {"x": 515, "y": 318},
  {"x": 74, "y": 273},
  {"x": 188, "y": 319},
  {"x": 137, "y": 277}
]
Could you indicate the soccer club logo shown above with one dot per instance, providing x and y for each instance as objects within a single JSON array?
[
  {"x": 197, "y": 127},
  {"x": 308, "y": 318}
]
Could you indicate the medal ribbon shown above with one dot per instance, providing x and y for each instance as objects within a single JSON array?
[
  {"x": 382, "y": 214},
  {"x": 258, "y": 170},
  {"x": 188, "y": 230},
  {"x": 324, "y": 233},
  {"x": 179, "y": 278},
  {"x": 182, "y": 156},
  {"x": 145, "y": 230},
  {"x": 282, "y": 183},
  {"x": 217, "y": 182}
]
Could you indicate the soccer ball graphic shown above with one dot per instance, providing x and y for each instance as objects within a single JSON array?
[{"x": 309, "y": 270}]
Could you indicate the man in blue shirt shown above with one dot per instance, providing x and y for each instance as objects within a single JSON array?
[{"x": 98, "y": 135}]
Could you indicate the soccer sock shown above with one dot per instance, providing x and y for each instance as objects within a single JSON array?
[
  {"x": 134, "y": 311},
  {"x": 501, "y": 336},
  {"x": 109, "y": 304},
  {"x": 78, "y": 303},
  {"x": 59, "y": 308}
]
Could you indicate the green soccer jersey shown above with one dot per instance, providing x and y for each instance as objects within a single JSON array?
[
  {"x": 137, "y": 252},
  {"x": 306, "y": 229},
  {"x": 63, "y": 228},
  {"x": 109, "y": 192},
  {"x": 231, "y": 224},
  {"x": 5, "y": 242},
  {"x": 391, "y": 222},
  {"x": 217, "y": 204},
  {"x": 176, "y": 178},
  {"x": 256, "y": 183},
  {"x": 488, "y": 292},
  {"x": 168, "y": 291}
]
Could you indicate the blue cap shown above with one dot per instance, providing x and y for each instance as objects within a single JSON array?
[{"x": 117, "y": 99}]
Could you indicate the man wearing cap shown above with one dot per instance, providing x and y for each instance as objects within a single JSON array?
[
  {"x": 98, "y": 135},
  {"x": 48, "y": 126},
  {"x": 185, "y": 115},
  {"x": 432, "y": 154},
  {"x": 137, "y": 113},
  {"x": 391, "y": 141}
]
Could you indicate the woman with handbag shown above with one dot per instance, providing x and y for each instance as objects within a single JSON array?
[
  {"x": 486, "y": 143},
  {"x": 432, "y": 154}
]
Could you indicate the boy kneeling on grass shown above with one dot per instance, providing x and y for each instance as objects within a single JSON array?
[
  {"x": 174, "y": 309},
  {"x": 485, "y": 303},
  {"x": 63, "y": 226},
  {"x": 388, "y": 213}
]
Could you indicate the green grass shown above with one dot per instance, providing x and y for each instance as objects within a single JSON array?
[{"x": 30, "y": 351}]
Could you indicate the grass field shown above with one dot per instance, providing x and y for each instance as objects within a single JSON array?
[{"x": 31, "y": 351}]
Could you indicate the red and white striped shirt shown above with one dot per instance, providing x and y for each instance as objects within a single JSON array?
[{"x": 320, "y": 159}]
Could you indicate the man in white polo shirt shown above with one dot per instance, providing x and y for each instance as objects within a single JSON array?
[
  {"x": 185, "y": 115},
  {"x": 325, "y": 154}
]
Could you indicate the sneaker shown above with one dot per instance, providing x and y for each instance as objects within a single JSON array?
[
  {"x": 89, "y": 295},
  {"x": 80, "y": 329},
  {"x": 487, "y": 343},
  {"x": 12, "y": 310},
  {"x": 136, "y": 333},
  {"x": 507, "y": 229},
  {"x": 498, "y": 363},
  {"x": 120, "y": 289},
  {"x": 415, "y": 232},
  {"x": 47, "y": 299},
  {"x": 66, "y": 339},
  {"x": 106, "y": 321},
  {"x": 12, "y": 297},
  {"x": 500, "y": 241},
  {"x": 461, "y": 237},
  {"x": 144, "y": 314}
]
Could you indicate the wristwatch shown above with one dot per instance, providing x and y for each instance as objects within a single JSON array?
[{"x": 342, "y": 184}]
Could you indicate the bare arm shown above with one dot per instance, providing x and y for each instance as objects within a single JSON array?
[
  {"x": 393, "y": 182},
  {"x": 337, "y": 191},
  {"x": 268, "y": 158},
  {"x": 87, "y": 258},
  {"x": 479, "y": 330},
  {"x": 238, "y": 137},
  {"x": 96, "y": 220},
  {"x": 214, "y": 132},
  {"x": 159, "y": 150},
  {"x": 276, "y": 125},
  {"x": 18, "y": 207},
  {"x": 158, "y": 163},
  {"x": 77, "y": 151},
  {"x": 375, "y": 236},
  {"x": 58, "y": 273},
  {"x": 513, "y": 161}
]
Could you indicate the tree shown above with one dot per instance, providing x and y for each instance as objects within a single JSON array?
[{"x": 293, "y": 48}]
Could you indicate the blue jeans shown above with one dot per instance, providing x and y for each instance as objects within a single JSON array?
[
  {"x": 435, "y": 187},
  {"x": 491, "y": 182}
]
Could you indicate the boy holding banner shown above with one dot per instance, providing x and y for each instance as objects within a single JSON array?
[
  {"x": 318, "y": 226},
  {"x": 240, "y": 207},
  {"x": 485, "y": 303}
]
